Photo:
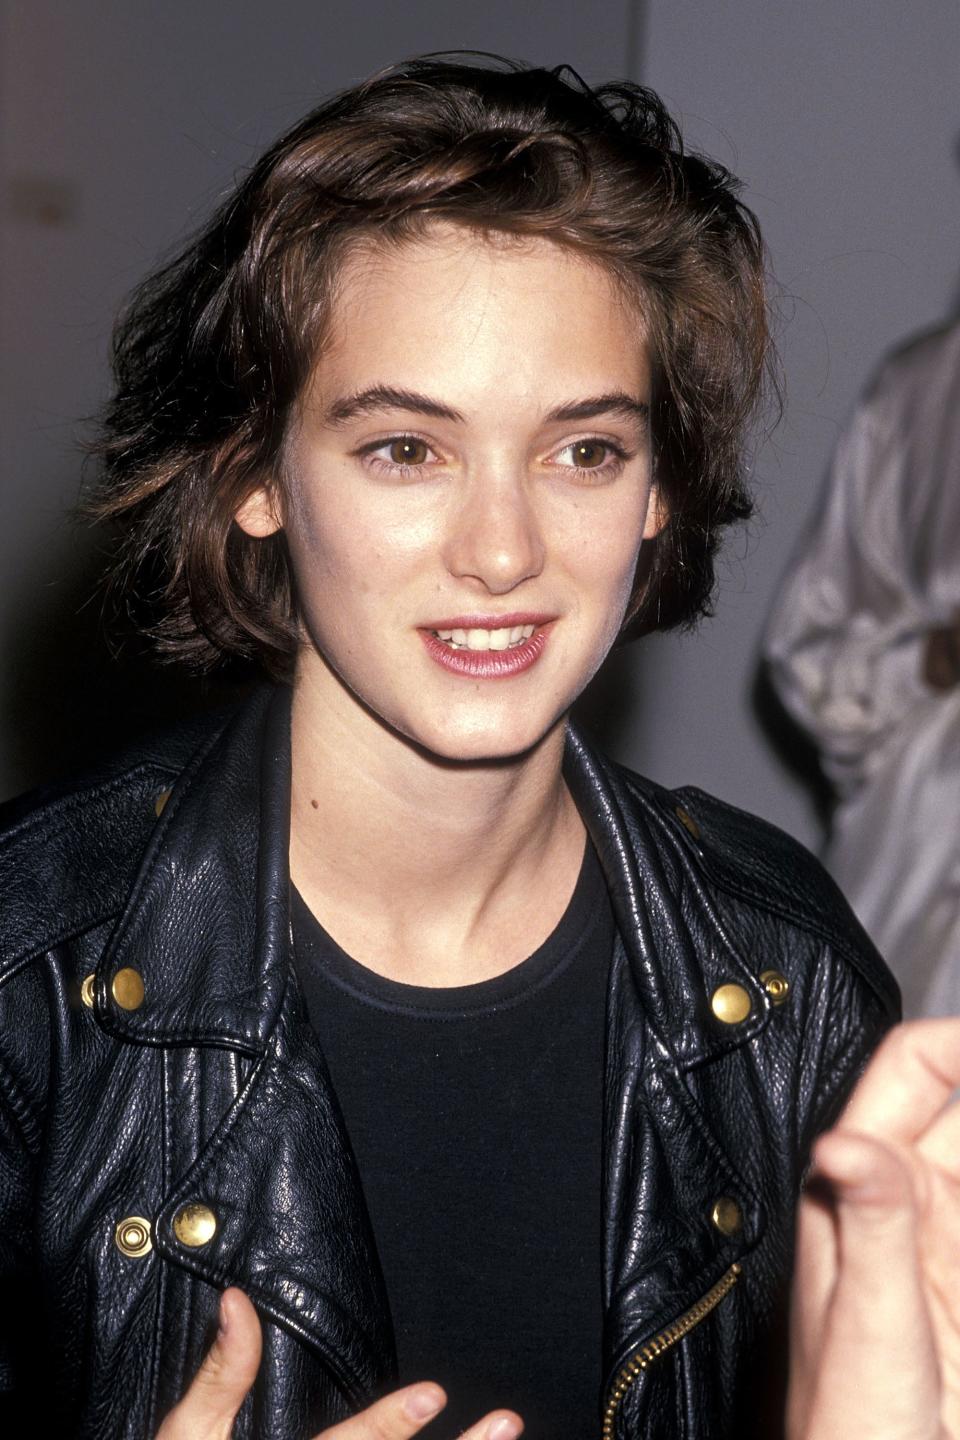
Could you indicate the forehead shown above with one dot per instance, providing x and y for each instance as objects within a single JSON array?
[{"x": 457, "y": 308}]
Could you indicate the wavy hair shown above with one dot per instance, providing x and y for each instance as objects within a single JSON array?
[{"x": 213, "y": 350}]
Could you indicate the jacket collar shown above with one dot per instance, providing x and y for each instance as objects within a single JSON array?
[
  {"x": 678, "y": 947},
  {"x": 206, "y": 924},
  {"x": 662, "y": 1255}
]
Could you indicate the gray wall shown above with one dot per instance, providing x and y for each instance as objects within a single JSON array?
[
  {"x": 121, "y": 123},
  {"x": 843, "y": 118}
]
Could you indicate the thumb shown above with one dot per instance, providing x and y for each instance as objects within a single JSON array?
[
  {"x": 876, "y": 1220},
  {"x": 878, "y": 1294},
  {"x": 209, "y": 1408}
]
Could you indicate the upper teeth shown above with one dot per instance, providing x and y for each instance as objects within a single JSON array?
[{"x": 487, "y": 639}]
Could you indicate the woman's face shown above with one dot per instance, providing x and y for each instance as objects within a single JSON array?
[{"x": 466, "y": 488}]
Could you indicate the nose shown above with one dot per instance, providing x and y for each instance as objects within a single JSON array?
[{"x": 494, "y": 537}]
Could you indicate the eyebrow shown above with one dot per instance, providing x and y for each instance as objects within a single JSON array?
[
  {"x": 388, "y": 397},
  {"x": 616, "y": 403}
]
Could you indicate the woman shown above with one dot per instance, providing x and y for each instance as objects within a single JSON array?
[{"x": 464, "y": 1054}]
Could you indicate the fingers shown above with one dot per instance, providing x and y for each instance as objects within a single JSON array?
[
  {"x": 876, "y": 1215},
  {"x": 396, "y": 1417},
  {"x": 878, "y": 1297},
  {"x": 907, "y": 1083},
  {"x": 402, "y": 1414},
  {"x": 504, "y": 1425},
  {"x": 210, "y": 1406}
]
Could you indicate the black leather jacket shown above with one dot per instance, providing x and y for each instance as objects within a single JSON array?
[{"x": 213, "y": 1092}]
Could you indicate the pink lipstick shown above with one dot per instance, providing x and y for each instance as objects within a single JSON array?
[{"x": 490, "y": 647}]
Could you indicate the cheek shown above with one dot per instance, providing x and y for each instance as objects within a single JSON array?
[
  {"x": 326, "y": 560},
  {"x": 611, "y": 549},
  {"x": 345, "y": 555},
  {"x": 614, "y": 568}
]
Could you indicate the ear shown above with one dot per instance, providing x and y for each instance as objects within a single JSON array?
[
  {"x": 657, "y": 514},
  {"x": 258, "y": 515}
]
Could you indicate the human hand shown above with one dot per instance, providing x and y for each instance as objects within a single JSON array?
[
  {"x": 210, "y": 1406},
  {"x": 875, "y": 1328}
]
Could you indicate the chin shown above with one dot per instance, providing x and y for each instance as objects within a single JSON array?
[{"x": 479, "y": 745}]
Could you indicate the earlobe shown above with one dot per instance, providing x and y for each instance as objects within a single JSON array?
[
  {"x": 657, "y": 515},
  {"x": 258, "y": 516}
]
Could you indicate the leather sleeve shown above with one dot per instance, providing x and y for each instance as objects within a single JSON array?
[
  {"x": 19, "y": 1137},
  {"x": 845, "y": 1022}
]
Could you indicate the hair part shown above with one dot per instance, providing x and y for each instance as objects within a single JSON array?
[{"x": 214, "y": 350}]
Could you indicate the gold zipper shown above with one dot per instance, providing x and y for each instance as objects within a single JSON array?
[{"x": 664, "y": 1341}]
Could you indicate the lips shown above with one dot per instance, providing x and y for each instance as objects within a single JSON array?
[{"x": 487, "y": 646}]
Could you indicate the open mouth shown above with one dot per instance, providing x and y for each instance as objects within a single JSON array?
[
  {"x": 488, "y": 652},
  {"x": 479, "y": 639}
]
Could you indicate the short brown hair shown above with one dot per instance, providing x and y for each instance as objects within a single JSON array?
[{"x": 214, "y": 349}]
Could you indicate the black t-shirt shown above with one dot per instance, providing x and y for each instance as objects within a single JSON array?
[{"x": 475, "y": 1113}]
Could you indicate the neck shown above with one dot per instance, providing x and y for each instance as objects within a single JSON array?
[{"x": 428, "y": 871}]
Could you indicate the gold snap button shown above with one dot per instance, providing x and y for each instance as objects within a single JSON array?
[
  {"x": 727, "y": 1216},
  {"x": 127, "y": 988},
  {"x": 730, "y": 1003},
  {"x": 160, "y": 802},
  {"x": 132, "y": 1236},
  {"x": 194, "y": 1225},
  {"x": 86, "y": 990},
  {"x": 688, "y": 822},
  {"x": 776, "y": 985}
]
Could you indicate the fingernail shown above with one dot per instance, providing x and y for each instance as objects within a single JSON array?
[
  {"x": 223, "y": 1324},
  {"x": 422, "y": 1404},
  {"x": 504, "y": 1429}
]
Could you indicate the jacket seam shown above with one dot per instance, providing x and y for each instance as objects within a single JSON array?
[
  {"x": 17, "y": 1106},
  {"x": 15, "y": 964},
  {"x": 61, "y": 809},
  {"x": 832, "y": 1086},
  {"x": 220, "y": 1272},
  {"x": 832, "y": 938},
  {"x": 772, "y": 902}
]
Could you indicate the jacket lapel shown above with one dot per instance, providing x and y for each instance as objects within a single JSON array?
[
  {"x": 207, "y": 927},
  {"x": 206, "y": 923},
  {"x": 664, "y": 1168}
]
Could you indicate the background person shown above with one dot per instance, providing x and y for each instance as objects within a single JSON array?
[{"x": 863, "y": 648}]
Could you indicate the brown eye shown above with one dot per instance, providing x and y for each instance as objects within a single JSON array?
[
  {"x": 408, "y": 451},
  {"x": 588, "y": 454}
]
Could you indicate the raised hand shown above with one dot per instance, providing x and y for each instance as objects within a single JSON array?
[
  {"x": 875, "y": 1345},
  {"x": 210, "y": 1406}
]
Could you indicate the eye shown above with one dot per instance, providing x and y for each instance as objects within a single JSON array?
[
  {"x": 591, "y": 454},
  {"x": 588, "y": 454},
  {"x": 407, "y": 450},
  {"x": 406, "y": 455}
]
